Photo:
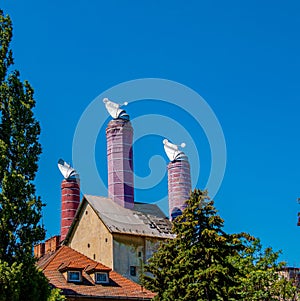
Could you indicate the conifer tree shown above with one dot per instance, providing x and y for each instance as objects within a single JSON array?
[{"x": 203, "y": 262}]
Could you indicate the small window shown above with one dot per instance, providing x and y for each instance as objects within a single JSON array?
[
  {"x": 88, "y": 245},
  {"x": 132, "y": 271},
  {"x": 140, "y": 254},
  {"x": 74, "y": 276},
  {"x": 101, "y": 277}
]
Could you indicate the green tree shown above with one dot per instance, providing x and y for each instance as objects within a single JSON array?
[
  {"x": 20, "y": 208},
  {"x": 56, "y": 295},
  {"x": 203, "y": 262},
  {"x": 261, "y": 278}
]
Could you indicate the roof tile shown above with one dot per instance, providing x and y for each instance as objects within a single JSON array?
[{"x": 65, "y": 258}]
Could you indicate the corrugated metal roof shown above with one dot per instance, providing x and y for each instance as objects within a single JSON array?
[{"x": 144, "y": 219}]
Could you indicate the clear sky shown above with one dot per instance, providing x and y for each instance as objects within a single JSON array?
[{"x": 242, "y": 57}]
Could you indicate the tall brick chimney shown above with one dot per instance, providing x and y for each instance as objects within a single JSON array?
[
  {"x": 119, "y": 135},
  {"x": 179, "y": 179},
  {"x": 70, "y": 197}
]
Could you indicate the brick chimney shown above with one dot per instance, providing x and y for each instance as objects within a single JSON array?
[
  {"x": 70, "y": 197},
  {"x": 179, "y": 179},
  {"x": 179, "y": 186},
  {"x": 119, "y": 135},
  {"x": 39, "y": 250},
  {"x": 49, "y": 246}
]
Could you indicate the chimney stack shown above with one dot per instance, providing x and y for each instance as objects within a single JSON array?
[
  {"x": 179, "y": 179},
  {"x": 49, "y": 246},
  {"x": 119, "y": 136},
  {"x": 70, "y": 197}
]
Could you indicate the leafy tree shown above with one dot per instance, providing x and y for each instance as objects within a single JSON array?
[
  {"x": 261, "y": 278},
  {"x": 56, "y": 295},
  {"x": 20, "y": 208},
  {"x": 203, "y": 262},
  {"x": 10, "y": 276}
]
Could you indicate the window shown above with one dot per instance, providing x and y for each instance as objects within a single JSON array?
[
  {"x": 101, "y": 277},
  {"x": 74, "y": 276},
  {"x": 132, "y": 271}
]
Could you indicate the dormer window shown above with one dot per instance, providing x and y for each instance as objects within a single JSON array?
[
  {"x": 74, "y": 276},
  {"x": 101, "y": 277}
]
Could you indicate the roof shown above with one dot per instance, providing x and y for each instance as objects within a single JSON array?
[
  {"x": 143, "y": 220},
  {"x": 118, "y": 287}
]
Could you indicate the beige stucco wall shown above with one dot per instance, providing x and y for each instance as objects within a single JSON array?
[
  {"x": 117, "y": 251},
  {"x": 132, "y": 250},
  {"x": 92, "y": 238},
  {"x": 128, "y": 251},
  {"x": 152, "y": 245}
]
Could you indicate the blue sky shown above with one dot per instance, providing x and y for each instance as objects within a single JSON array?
[{"x": 242, "y": 57}]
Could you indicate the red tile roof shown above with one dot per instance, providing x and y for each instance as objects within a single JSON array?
[{"x": 118, "y": 287}]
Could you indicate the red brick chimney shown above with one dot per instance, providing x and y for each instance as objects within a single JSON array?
[
  {"x": 70, "y": 200},
  {"x": 70, "y": 197},
  {"x": 179, "y": 179},
  {"x": 119, "y": 135}
]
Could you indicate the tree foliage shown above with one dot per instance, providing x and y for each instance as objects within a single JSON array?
[
  {"x": 20, "y": 208},
  {"x": 260, "y": 275},
  {"x": 56, "y": 295},
  {"x": 203, "y": 262},
  {"x": 15, "y": 287}
]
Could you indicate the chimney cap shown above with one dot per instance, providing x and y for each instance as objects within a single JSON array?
[
  {"x": 173, "y": 152},
  {"x": 67, "y": 170},
  {"x": 114, "y": 109}
]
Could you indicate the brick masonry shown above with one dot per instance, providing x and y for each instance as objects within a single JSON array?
[
  {"x": 70, "y": 199},
  {"x": 119, "y": 135},
  {"x": 179, "y": 186}
]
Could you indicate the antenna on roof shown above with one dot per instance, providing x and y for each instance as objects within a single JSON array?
[
  {"x": 114, "y": 109},
  {"x": 67, "y": 170},
  {"x": 173, "y": 152}
]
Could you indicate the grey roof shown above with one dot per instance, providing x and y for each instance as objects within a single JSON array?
[{"x": 143, "y": 220}]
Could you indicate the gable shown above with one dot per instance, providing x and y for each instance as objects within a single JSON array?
[{"x": 90, "y": 236}]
